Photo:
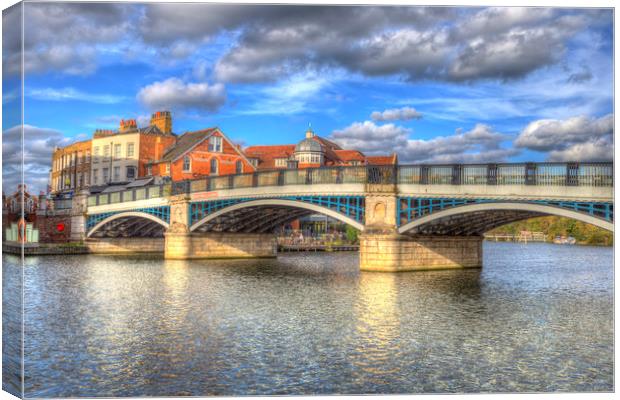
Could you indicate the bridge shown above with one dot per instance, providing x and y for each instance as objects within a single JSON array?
[{"x": 411, "y": 217}]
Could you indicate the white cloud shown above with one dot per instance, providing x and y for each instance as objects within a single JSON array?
[
  {"x": 371, "y": 138},
  {"x": 551, "y": 134},
  {"x": 174, "y": 94},
  {"x": 70, "y": 93},
  {"x": 394, "y": 114},
  {"x": 480, "y": 144},
  {"x": 38, "y": 146}
]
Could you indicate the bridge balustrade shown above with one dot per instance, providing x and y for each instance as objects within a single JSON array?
[{"x": 540, "y": 174}]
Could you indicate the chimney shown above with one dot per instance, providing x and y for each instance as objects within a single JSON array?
[
  {"x": 163, "y": 121},
  {"x": 127, "y": 125}
]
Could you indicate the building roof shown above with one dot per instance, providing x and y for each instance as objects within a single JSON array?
[
  {"x": 266, "y": 155},
  {"x": 147, "y": 130},
  {"x": 308, "y": 145},
  {"x": 185, "y": 143},
  {"x": 350, "y": 155},
  {"x": 382, "y": 160},
  {"x": 327, "y": 143}
]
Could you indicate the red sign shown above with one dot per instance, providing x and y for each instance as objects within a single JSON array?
[{"x": 60, "y": 227}]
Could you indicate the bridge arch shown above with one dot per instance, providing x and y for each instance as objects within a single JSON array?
[
  {"x": 475, "y": 219},
  {"x": 304, "y": 207},
  {"x": 127, "y": 215}
]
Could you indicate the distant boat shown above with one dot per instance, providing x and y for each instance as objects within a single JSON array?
[{"x": 564, "y": 240}]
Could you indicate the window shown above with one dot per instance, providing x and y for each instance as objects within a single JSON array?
[
  {"x": 80, "y": 158},
  {"x": 131, "y": 172},
  {"x": 129, "y": 149},
  {"x": 239, "y": 167},
  {"x": 149, "y": 170},
  {"x": 187, "y": 164},
  {"x": 87, "y": 156},
  {"x": 80, "y": 180},
  {"x": 117, "y": 174},
  {"x": 106, "y": 176},
  {"x": 96, "y": 154},
  {"x": 106, "y": 151},
  {"x": 215, "y": 144},
  {"x": 167, "y": 168},
  {"x": 280, "y": 162},
  {"x": 95, "y": 172},
  {"x": 117, "y": 151},
  {"x": 214, "y": 166}
]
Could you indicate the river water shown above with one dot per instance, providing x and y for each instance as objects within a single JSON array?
[{"x": 537, "y": 317}]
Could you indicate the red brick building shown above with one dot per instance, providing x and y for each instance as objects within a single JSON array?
[
  {"x": 207, "y": 152},
  {"x": 312, "y": 152}
]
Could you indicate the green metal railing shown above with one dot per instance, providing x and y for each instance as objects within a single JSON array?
[{"x": 537, "y": 174}]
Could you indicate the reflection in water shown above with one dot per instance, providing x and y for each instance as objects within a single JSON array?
[{"x": 535, "y": 318}]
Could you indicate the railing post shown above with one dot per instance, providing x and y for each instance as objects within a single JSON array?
[
  {"x": 530, "y": 174},
  {"x": 339, "y": 172},
  {"x": 457, "y": 169},
  {"x": 492, "y": 174},
  {"x": 424, "y": 174},
  {"x": 572, "y": 174}
]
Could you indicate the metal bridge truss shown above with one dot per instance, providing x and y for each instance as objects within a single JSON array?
[
  {"x": 264, "y": 219},
  {"x": 411, "y": 208},
  {"x": 161, "y": 212}
]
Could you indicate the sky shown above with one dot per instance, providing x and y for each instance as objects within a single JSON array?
[{"x": 433, "y": 84}]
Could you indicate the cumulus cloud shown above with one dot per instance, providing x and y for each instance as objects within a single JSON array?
[
  {"x": 480, "y": 144},
  {"x": 38, "y": 146},
  {"x": 65, "y": 37},
  {"x": 576, "y": 138},
  {"x": 371, "y": 138},
  {"x": 395, "y": 114},
  {"x": 552, "y": 134},
  {"x": 174, "y": 94}
]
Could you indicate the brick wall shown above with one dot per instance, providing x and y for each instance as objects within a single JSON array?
[{"x": 48, "y": 228}]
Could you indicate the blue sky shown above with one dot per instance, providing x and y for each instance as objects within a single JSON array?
[{"x": 432, "y": 84}]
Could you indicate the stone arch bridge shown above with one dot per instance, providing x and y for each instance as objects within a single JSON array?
[{"x": 410, "y": 217}]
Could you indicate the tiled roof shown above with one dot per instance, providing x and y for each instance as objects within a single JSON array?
[
  {"x": 349, "y": 155},
  {"x": 327, "y": 143},
  {"x": 266, "y": 155},
  {"x": 382, "y": 160},
  {"x": 185, "y": 143}
]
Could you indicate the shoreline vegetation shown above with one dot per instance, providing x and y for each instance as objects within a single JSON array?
[{"x": 552, "y": 227}]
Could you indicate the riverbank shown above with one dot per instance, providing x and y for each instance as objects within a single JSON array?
[{"x": 41, "y": 249}]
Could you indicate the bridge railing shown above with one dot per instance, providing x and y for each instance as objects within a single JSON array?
[{"x": 539, "y": 174}]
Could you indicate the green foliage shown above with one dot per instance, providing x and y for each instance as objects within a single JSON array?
[
  {"x": 351, "y": 234},
  {"x": 560, "y": 226}
]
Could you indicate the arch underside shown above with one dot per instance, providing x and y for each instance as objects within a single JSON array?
[
  {"x": 129, "y": 224},
  {"x": 470, "y": 224},
  {"x": 477, "y": 219},
  {"x": 264, "y": 216},
  {"x": 258, "y": 219}
]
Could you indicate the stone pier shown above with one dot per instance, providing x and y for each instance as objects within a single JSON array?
[
  {"x": 382, "y": 248},
  {"x": 185, "y": 245},
  {"x": 394, "y": 252},
  {"x": 125, "y": 245}
]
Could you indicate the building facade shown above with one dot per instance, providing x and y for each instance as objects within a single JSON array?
[
  {"x": 207, "y": 152},
  {"x": 121, "y": 156},
  {"x": 71, "y": 166}
]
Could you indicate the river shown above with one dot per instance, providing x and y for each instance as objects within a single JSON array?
[{"x": 537, "y": 317}]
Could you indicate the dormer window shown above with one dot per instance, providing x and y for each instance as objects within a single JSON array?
[{"x": 215, "y": 144}]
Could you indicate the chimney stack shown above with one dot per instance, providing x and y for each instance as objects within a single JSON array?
[
  {"x": 163, "y": 121},
  {"x": 127, "y": 125}
]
